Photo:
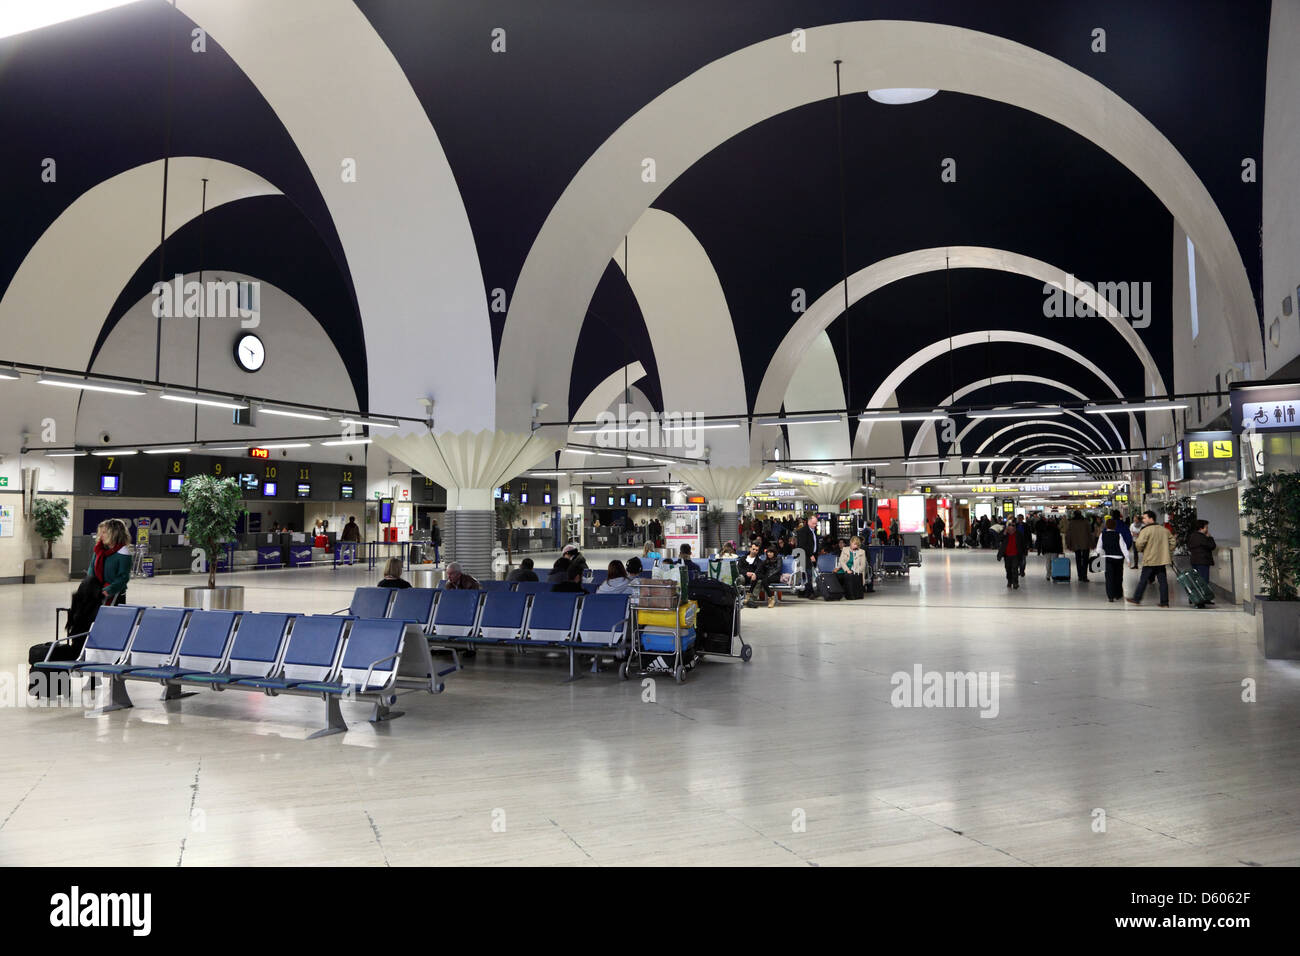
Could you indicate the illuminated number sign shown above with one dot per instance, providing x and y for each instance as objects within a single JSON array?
[{"x": 259, "y": 453}]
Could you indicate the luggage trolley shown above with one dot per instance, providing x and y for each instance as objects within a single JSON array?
[
  {"x": 711, "y": 643},
  {"x": 663, "y": 632}
]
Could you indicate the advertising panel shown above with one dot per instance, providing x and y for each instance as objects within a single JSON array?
[
  {"x": 911, "y": 514},
  {"x": 682, "y": 527}
]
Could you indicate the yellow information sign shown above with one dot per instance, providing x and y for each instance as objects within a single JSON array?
[
  {"x": 1198, "y": 449},
  {"x": 1223, "y": 449}
]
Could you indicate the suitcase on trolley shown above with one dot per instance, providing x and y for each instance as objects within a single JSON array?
[
  {"x": 717, "y": 606},
  {"x": 1198, "y": 591},
  {"x": 1061, "y": 569}
]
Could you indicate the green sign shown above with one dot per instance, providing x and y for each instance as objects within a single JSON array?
[{"x": 4, "y": 481}]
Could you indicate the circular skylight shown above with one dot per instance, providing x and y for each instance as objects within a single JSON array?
[{"x": 901, "y": 95}]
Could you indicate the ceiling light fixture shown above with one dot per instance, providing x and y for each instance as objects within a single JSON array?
[
  {"x": 349, "y": 441},
  {"x": 193, "y": 398},
  {"x": 66, "y": 454},
  {"x": 115, "y": 453},
  {"x": 67, "y": 381},
  {"x": 288, "y": 444},
  {"x": 164, "y": 451},
  {"x": 286, "y": 413},
  {"x": 371, "y": 422},
  {"x": 893, "y": 416},
  {"x": 901, "y": 95},
  {"x": 1158, "y": 406},
  {"x": 1018, "y": 411},
  {"x": 801, "y": 420}
]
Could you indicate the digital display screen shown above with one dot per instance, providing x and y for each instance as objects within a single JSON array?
[
  {"x": 911, "y": 514},
  {"x": 345, "y": 492},
  {"x": 592, "y": 501},
  {"x": 622, "y": 501},
  {"x": 523, "y": 497},
  {"x": 610, "y": 499},
  {"x": 304, "y": 490},
  {"x": 174, "y": 485},
  {"x": 505, "y": 496},
  {"x": 110, "y": 483},
  {"x": 386, "y": 511},
  {"x": 262, "y": 453},
  {"x": 248, "y": 481},
  {"x": 546, "y": 498},
  {"x": 268, "y": 489}
]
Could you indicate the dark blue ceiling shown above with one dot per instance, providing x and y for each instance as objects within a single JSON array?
[{"x": 517, "y": 127}]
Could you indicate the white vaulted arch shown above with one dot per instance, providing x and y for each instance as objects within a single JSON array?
[{"x": 608, "y": 195}]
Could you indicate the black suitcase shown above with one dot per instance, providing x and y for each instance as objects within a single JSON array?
[
  {"x": 829, "y": 587},
  {"x": 716, "y": 613},
  {"x": 949, "y": 541},
  {"x": 853, "y": 586}
]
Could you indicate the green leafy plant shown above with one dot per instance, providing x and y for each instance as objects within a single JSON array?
[
  {"x": 50, "y": 515},
  {"x": 1182, "y": 516},
  {"x": 212, "y": 509},
  {"x": 1272, "y": 508},
  {"x": 661, "y": 515},
  {"x": 507, "y": 514}
]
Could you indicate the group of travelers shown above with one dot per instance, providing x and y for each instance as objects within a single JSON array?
[{"x": 1117, "y": 541}]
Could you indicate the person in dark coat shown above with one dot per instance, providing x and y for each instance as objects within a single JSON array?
[
  {"x": 559, "y": 570},
  {"x": 524, "y": 572},
  {"x": 393, "y": 575},
  {"x": 1078, "y": 538},
  {"x": 1202, "y": 548},
  {"x": 435, "y": 539},
  {"x": 806, "y": 538}
]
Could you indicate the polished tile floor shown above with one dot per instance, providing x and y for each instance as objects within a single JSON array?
[{"x": 1106, "y": 714}]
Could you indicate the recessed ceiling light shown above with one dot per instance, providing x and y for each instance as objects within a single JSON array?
[{"x": 899, "y": 96}]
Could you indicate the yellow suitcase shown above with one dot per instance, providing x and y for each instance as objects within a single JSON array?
[{"x": 685, "y": 616}]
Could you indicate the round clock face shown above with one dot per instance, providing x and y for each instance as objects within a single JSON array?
[{"x": 250, "y": 353}]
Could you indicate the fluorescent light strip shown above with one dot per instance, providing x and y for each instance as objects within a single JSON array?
[
  {"x": 350, "y": 441},
  {"x": 195, "y": 399},
  {"x": 1136, "y": 407},
  {"x": 116, "y": 454},
  {"x": 802, "y": 420},
  {"x": 230, "y": 448},
  {"x": 902, "y": 416},
  {"x": 607, "y": 429},
  {"x": 974, "y": 461},
  {"x": 64, "y": 381},
  {"x": 9, "y": 374},
  {"x": 164, "y": 451},
  {"x": 66, "y": 454},
  {"x": 285, "y": 413},
  {"x": 1117, "y": 454},
  {"x": 691, "y": 428},
  {"x": 371, "y": 422},
  {"x": 1021, "y": 412},
  {"x": 290, "y": 444}
]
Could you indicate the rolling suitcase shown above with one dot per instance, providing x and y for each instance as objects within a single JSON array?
[
  {"x": 1198, "y": 591},
  {"x": 949, "y": 541},
  {"x": 1061, "y": 569},
  {"x": 717, "y": 606},
  {"x": 829, "y": 587}
]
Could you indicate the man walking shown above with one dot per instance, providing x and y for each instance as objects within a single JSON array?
[
  {"x": 1156, "y": 545},
  {"x": 1078, "y": 538},
  {"x": 806, "y": 538}
]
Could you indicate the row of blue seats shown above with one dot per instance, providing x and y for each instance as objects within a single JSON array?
[
  {"x": 591, "y": 579},
  {"x": 326, "y": 656},
  {"x": 568, "y": 622}
]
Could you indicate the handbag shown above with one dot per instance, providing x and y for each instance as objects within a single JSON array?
[{"x": 1131, "y": 577}]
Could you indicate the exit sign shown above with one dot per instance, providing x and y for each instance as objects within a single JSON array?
[
  {"x": 4, "y": 481},
  {"x": 259, "y": 453}
]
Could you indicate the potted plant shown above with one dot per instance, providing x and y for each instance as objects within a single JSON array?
[
  {"x": 49, "y": 517},
  {"x": 713, "y": 519},
  {"x": 1182, "y": 516},
  {"x": 212, "y": 509},
  {"x": 1271, "y": 505},
  {"x": 507, "y": 515}
]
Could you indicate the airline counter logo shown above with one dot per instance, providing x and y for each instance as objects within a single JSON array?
[{"x": 78, "y": 909}]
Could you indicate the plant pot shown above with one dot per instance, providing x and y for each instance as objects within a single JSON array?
[
  {"x": 220, "y": 598},
  {"x": 45, "y": 571},
  {"x": 1277, "y": 629}
]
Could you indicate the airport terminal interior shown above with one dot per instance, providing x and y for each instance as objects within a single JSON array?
[{"x": 542, "y": 432}]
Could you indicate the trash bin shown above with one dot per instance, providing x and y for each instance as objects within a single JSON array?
[{"x": 425, "y": 577}]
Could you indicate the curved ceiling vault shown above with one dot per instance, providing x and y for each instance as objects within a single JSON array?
[
  {"x": 401, "y": 220},
  {"x": 55, "y": 305},
  {"x": 607, "y": 196}
]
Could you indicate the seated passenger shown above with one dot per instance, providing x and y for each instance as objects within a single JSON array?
[
  {"x": 524, "y": 572},
  {"x": 458, "y": 580},
  {"x": 634, "y": 567},
  {"x": 852, "y": 569},
  {"x": 573, "y": 583},
  {"x": 559, "y": 570},
  {"x": 618, "y": 582},
  {"x": 393, "y": 575}
]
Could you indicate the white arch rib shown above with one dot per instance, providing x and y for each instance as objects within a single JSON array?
[
  {"x": 59, "y": 298},
  {"x": 402, "y": 222},
  {"x": 920, "y": 357},
  {"x": 687, "y": 121}
]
